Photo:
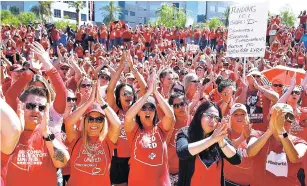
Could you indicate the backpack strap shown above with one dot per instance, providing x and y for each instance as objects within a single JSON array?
[{"x": 74, "y": 146}]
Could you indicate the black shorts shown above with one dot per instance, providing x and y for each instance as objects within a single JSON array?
[
  {"x": 181, "y": 41},
  {"x": 147, "y": 44},
  {"x": 90, "y": 38},
  {"x": 119, "y": 170},
  {"x": 126, "y": 40}
]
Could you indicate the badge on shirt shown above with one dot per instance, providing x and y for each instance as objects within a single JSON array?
[{"x": 277, "y": 164}]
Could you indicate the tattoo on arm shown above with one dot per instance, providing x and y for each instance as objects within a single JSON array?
[{"x": 58, "y": 155}]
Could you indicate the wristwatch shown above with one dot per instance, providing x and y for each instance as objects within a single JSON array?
[
  {"x": 104, "y": 106},
  {"x": 50, "y": 137},
  {"x": 283, "y": 135}
]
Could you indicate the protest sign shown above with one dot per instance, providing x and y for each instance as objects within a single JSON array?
[
  {"x": 247, "y": 30},
  {"x": 272, "y": 32},
  {"x": 192, "y": 48}
]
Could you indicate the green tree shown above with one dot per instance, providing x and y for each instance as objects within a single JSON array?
[
  {"x": 214, "y": 23},
  {"x": 27, "y": 17},
  {"x": 14, "y": 10},
  {"x": 42, "y": 10},
  {"x": 110, "y": 12},
  {"x": 78, "y": 5},
  {"x": 226, "y": 16},
  {"x": 8, "y": 18},
  {"x": 63, "y": 23},
  {"x": 287, "y": 16},
  {"x": 171, "y": 16}
]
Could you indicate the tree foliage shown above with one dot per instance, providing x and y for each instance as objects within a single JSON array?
[
  {"x": 226, "y": 16},
  {"x": 214, "y": 23},
  {"x": 171, "y": 16},
  {"x": 78, "y": 5},
  {"x": 42, "y": 10},
  {"x": 110, "y": 12},
  {"x": 24, "y": 18},
  {"x": 287, "y": 16},
  {"x": 27, "y": 17},
  {"x": 14, "y": 10},
  {"x": 63, "y": 23}
]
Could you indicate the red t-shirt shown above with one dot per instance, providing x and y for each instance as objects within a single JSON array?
[
  {"x": 90, "y": 168},
  {"x": 264, "y": 177},
  {"x": 123, "y": 150},
  {"x": 55, "y": 35},
  {"x": 148, "y": 162},
  {"x": 30, "y": 163}
]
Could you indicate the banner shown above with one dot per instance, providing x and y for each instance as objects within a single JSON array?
[
  {"x": 247, "y": 30},
  {"x": 192, "y": 48}
]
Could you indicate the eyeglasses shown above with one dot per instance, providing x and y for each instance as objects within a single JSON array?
[
  {"x": 295, "y": 92},
  {"x": 211, "y": 117},
  {"x": 71, "y": 99},
  {"x": 256, "y": 76},
  {"x": 32, "y": 106},
  {"x": 91, "y": 119},
  {"x": 150, "y": 108},
  {"x": 104, "y": 77},
  {"x": 178, "y": 90},
  {"x": 64, "y": 68},
  {"x": 278, "y": 85},
  {"x": 195, "y": 81},
  {"x": 127, "y": 93},
  {"x": 178, "y": 105},
  {"x": 85, "y": 85}
]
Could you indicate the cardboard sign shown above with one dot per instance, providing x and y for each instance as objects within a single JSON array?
[
  {"x": 192, "y": 48},
  {"x": 247, "y": 30}
]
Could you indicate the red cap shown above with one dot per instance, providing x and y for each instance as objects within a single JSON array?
[{"x": 95, "y": 107}]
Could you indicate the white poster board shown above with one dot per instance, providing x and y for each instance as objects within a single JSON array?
[
  {"x": 272, "y": 32},
  {"x": 192, "y": 48},
  {"x": 247, "y": 30}
]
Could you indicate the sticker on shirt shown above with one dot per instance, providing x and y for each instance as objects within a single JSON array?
[
  {"x": 25, "y": 157},
  {"x": 123, "y": 134},
  {"x": 254, "y": 111},
  {"x": 92, "y": 161},
  {"x": 277, "y": 164},
  {"x": 148, "y": 149}
]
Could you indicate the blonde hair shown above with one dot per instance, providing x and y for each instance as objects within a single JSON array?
[
  {"x": 102, "y": 135},
  {"x": 81, "y": 80}
]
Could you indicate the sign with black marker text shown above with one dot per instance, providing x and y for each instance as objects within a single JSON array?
[{"x": 247, "y": 30}]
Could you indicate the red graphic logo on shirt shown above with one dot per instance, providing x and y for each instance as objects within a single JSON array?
[
  {"x": 149, "y": 149},
  {"x": 92, "y": 161},
  {"x": 26, "y": 157}
]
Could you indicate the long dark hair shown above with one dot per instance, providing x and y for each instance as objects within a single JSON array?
[
  {"x": 154, "y": 121},
  {"x": 117, "y": 94},
  {"x": 195, "y": 130}
]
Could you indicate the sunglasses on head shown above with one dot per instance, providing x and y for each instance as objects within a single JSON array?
[
  {"x": 32, "y": 106},
  {"x": 92, "y": 119},
  {"x": 295, "y": 92},
  {"x": 278, "y": 85},
  {"x": 64, "y": 68},
  {"x": 150, "y": 108},
  {"x": 127, "y": 93},
  {"x": 85, "y": 85},
  {"x": 104, "y": 77},
  {"x": 178, "y": 90},
  {"x": 71, "y": 99},
  {"x": 195, "y": 81},
  {"x": 178, "y": 105},
  {"x": 256, "y": 76}
]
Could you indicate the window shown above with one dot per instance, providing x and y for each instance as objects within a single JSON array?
[
  {"x": 71, "y": 15},
  {"x": 83, "y": 17},
  {"x": 125, "y": 12},
  {"x": 132, "y": 13},
  {"x": 221, "y": 9},
  {"x": 212, "y": 8},
  {"x": 57, "y": 13},
  {"x": 84, "y": 3}
]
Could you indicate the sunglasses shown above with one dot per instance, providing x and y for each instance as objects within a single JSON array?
[
  {"x": 150, "y": 108},
  {"x": 211, "y": 117},
  {"x": 295, "y": 92},
  {"x": 71, "y": 99},
  {"x": 178, "y": 105},
  {"x": 99, "y": 119},
  {"x": 127, "y": 93},
  {"x": 278, "y": 85},
  {"x": 256, "y": 76},
  {"x": 32, "y": 106},
  {"x": 85, "y": 85},
  {"x": 104, "y": 77},
  {"x": 195, "y": 81},
  {"x": 178, "y": 90},
  {"x": 64, "y": 68},
  {"x": 289, "y": 117}
]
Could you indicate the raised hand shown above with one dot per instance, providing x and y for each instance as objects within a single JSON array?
[
  {"x": 44, "y": 121},
  {"x": 152, "y": 82},
  {"x": 293, "y": 81},
  {"x": 220, "y": 132},
  {"x": 21, "y": 113},
  {"x": 40, "y": 52}
]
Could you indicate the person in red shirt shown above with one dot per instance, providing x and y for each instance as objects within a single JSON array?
[
  {"x": 38, "y": 152},
  {"x": 103, "y": 34},
  {"x": 303, "y": 19},
  {"x": 212, "y": 39},
  {"x": 55, "y": 37},
  {"x": 196, "y": 35},
  {"x": 278, "y": 156},
  {"x": 147, "y": 139},
  {"x": 91, "y": 148}
]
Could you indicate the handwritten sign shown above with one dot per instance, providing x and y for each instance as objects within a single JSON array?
[
  {"x": 247, "y": 30},
  {"x": 192, "y": 48}
]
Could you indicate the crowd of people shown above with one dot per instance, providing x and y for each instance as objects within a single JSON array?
[{"x": 150, "y": 105}]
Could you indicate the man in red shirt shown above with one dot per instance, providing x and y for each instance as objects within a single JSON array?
[
  {"x": 38, "y": 152},
  {"x": 55, "y": 37}
]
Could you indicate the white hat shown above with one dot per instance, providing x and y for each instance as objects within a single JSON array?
[{"x": 236, "y": 107}]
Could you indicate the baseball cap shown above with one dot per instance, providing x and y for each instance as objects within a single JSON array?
[
  {"x": 95, "y": 107},
  {"x": 104, "y": 71},
  {"x": 238, "y": 106},
  {"x": 16, "y": 68},
  {"x": 64, "y": 65},
  {"x": 129, "y": 76},
  {"x": 254, "y": 71},
  {"x": 151, "y": 100}
]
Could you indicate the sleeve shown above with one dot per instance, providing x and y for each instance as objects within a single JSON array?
[
  {"x": 182, "y": 145},
  {"x": 235, "y": 159},
  {"x": 16, "y": 89},
  {"x": 60, "y": 90},
  {"x": 6, "y": 84}
]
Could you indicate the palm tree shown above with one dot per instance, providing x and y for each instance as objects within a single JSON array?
[
  {"x": 14, "y": 10},
  {"x": 110, "y": 12},
  {"x": 78, "y": 5},
  {"x": 43, "y": 9},
  {"x": 226, "y": 16}
]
